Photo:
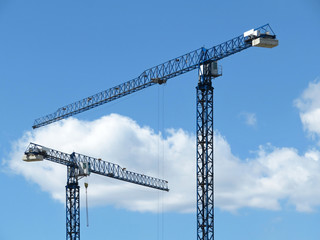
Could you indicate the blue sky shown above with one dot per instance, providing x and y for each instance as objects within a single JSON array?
[{"x": 267, "y": 111}]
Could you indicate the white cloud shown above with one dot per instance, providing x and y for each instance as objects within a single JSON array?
[
  {"x": 122, "y": 141},
  {"x": 273, "y": 176},
  {"x": 249, "y": 118},
  {"x": 309, "y": 106}
]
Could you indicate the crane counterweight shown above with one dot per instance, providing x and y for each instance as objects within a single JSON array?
[
  {"x": 258, "y": 39},
  {"x": 32, "y": 158},
  {"x": 265, "y": 42}
]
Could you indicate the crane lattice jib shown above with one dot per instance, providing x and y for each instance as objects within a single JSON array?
[
  {"x": 97, "y": 166},
  {"x": 155, "y": 75}
]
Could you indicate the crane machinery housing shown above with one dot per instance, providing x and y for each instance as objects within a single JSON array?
[{"x": 205, "y": 60}]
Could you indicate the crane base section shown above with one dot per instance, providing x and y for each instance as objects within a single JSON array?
[
  {"x": 32, "y": 158},
  {"x": 265, "y": 42}
]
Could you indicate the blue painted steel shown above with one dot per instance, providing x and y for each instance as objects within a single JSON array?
[
  {"x": 205, "y": 166},
  {"x": 72, "y": 201},
  {"x": 155, "y": 75},
  {"x": 97, "y": 166}
]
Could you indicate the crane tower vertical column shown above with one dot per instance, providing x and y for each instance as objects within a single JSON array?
[
  {"x": 205, "y": 172},
  {"x": 73, "y": 201}
]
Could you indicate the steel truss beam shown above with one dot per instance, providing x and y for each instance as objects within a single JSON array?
[
  {"x": 97, "y": 166},
  {"x": 155, "y": 75}
]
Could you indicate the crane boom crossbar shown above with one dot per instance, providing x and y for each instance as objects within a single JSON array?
[
  {"x": 96, "y": 166},
  {"x": 155, "y": 75}
]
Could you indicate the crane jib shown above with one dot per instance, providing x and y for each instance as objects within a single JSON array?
[
  {"x": 161, "y": 73},
  {"x": 37, "y": 152}
]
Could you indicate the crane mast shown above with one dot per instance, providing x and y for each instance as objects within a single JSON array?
[
  {"x": 78, "y": 166},
  {"x": 205, "y": 60},
  {"x": 205, "y": 171}
]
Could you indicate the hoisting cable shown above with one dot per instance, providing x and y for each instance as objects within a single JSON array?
[
  {"x": 161, "y": 159},
  {"x": 158, "y": 163},
  {"x": 86, "y": 186}
]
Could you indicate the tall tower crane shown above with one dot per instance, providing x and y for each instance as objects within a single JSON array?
[
  {"x": 205, "y": 60},
  {"x": 78, "y": 166}
]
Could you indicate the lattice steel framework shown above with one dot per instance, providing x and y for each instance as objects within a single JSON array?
[
  {"x": 155, "y": 75},
  {"x": 97, "y": 166},
  {"x": 72, "y": 201},
  {"x": 205, "y": 165}
]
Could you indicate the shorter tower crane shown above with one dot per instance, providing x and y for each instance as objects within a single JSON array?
[{"x": 79, "y": 166}]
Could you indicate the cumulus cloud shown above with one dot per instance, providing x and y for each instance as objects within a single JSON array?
[
  {"x": 120, "y": 140},
  {"x": 272, "y": 177},
  {"x": 275, "y": 175},
  {"x": 309, "y": 106}
]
